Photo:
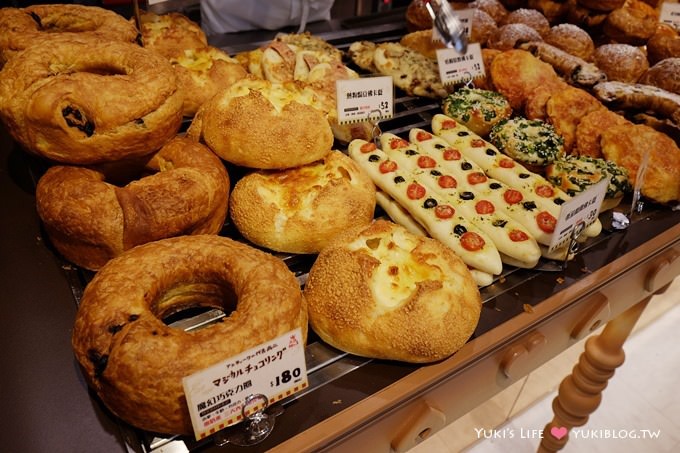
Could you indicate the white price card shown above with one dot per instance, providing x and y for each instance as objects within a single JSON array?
[
  {"x": 465, "y": 17},
  {"x": 582, "y": 209},
  {"x": 670, "y": 14},
  {"x": 455, "y": 67},
  {"x": 216, "y": 395},
  {"x": 364, "y": 99}
]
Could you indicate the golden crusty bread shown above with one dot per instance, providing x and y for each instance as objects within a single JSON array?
[
  {"x": 589, "y": 131},
  {"x": 258, "y": 124},
  {"x": 663, "y": 75},
  {"x": 90, "y": 219},
  {"x": 135, "y": 362},
  {"x": 171, "y": 34},
  {"x": 380, "y": 291},
  {"x": 625, "y": 145},
  {"x": 300, "y": 210}
]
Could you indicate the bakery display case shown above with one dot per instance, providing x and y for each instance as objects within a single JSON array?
[{"x": 528, "y": 317}]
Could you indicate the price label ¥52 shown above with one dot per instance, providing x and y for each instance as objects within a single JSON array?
[{"x": 216, "y": 395}]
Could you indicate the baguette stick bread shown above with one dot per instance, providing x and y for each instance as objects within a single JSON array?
[
  {"x": 501, "y": 167},
  {"x": 440, "y": 219},
  {"x": 509, "y": 236},
  {"x": 402, "y": 217},
  {"x": 518, "y": 206}
]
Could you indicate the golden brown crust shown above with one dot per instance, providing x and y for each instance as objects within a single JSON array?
[
  {"x": 257, "y": 124},
  {"x": 485, "y": 82},
  {"x": 483, "y": 27},
  {"x": 90, "y": 220},
  {"x": 69, "y": 102},
  {"x": 553, "y": 10},
  {"x": 589, "y": 131},
  {"x": 530, "y": 17},
  {"x": 536, "y": 101},
  {"x": 624, "y": 145},
  {"x": 565, "y": 110},
  {"x": 301, "y": 210},
  {"x": 136, "y": 363},
  {"x": 664, "y": 75},
  {"x": 517, "y": 73},
  {"x": 633, "y": 23},
  {"x": 382, "y": 292},
  {"x": 417, "y": 16},
  {"x": 421, "y": 41},
  {"x": 493, "y": 8},
  {"x": 621, "y": 62},
  {"x": 509, "y": 36},
  {"x": 664, "y": 43},
  {"x": 584, "y": 17},
  {"x": 201, "y": 73},
  {"x": 572, "y": 39},
  {"x": 171, "y": 34},
  {"x": 602, "y": 5},
  {"x": 36, "y": 24}
]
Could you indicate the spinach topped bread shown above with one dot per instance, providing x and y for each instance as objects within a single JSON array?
[
  {"x": 576, "y": 174},
  {"x": 533, "y": 143},
  {"x": 479, "y": 110}
]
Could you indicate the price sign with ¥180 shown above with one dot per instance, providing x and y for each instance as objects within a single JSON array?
[{"x": 216, "y": 395}]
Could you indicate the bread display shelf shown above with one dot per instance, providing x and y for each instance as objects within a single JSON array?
[{"x": 370, "y": 405}]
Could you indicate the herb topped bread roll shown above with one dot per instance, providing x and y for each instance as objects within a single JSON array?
[
  {"x": 576, "y": 174},
  {"x": 379, "y": 291},
  {"x": 533, "y": 143},
  {"x": 477, "y": 109}
]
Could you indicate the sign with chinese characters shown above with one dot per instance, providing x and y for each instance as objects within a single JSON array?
[
  {"x": 577, "y": 213},
  {"x": 216, "y": 396},
  {"x": 364, "y": 99},
  {"x": 670, "y": 14},
  {"x": 455, "y": 67}
]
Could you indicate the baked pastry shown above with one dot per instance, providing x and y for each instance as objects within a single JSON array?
[
  {"x": 571, "y": 39},
  {"x": 36, "y": 24},
  {"x": 621, "y": 62},
  {"x": 640, "y": 98},
  {"x": 533, "y": 143},
  {"x": 537, "y": 101},
  {"x": 361, "y": 54},
  {"x": 479, "y": 110},
  {"x": 170, "y": 34},
  {"x": 566, "y": 108},
  {"x": 417, "y": 16},
  {"x": 382, "y": 292},
  {"x": 517, "y": 73},
  {"x": 584, "y": 17},
  {"x": 625, "y": 145},
  {"x": 135, "y": 362},
  {"x": 493, "y": 8},
  {"x": 633, "y": 23},
  {"x": 663, "y": 75},
  {"x": 589, "y": 131},
  {"x": 201, "y": 73},
  {"x": 421, "y": 41},
  {"x": 664, "y": 43},
  {"x": 485, "y": 82},
  {"x": 300, "y": 210},
  {"x": 90, "y": 217},
  {"x": 573, "y": 69},
  {"x": 531, "y": 17},
  {"x": 411, "y": 71},
  {"x": 532, "y": 190},
  {"x": 553, "y": 10},
  {"x": 512, "y": 35},
  {"x": 576, "y": 174},
  {"x": 258, "y": 124},
  {"x": 70, "y": 103},
  {"x": 483, "y": 27},
  {"x": 602, "y": 5}
]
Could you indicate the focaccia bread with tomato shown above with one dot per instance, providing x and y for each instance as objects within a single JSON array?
[
  {"x": 441, "y": 220},
  {"x": 300, "y": 210}
]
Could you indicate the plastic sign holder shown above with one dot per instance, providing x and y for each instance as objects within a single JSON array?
[{"x": 223, "y": 394}]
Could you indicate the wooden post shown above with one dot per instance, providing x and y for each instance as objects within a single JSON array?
[{"x": 580, "y": 393}]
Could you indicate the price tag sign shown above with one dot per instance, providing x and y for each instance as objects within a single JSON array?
[
  {"x": 670, "y": 14},
  {"x": 465, "y": 17},
  {"x": 367, "y": 98},
  {"x": 455, "y": 67},
  {"x": 582, "y": 209},
  {"x": 215, "y": 396}
]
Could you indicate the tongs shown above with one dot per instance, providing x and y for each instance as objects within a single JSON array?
[{"x": 448, "y": 25}]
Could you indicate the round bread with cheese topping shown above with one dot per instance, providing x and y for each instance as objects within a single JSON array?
[
  {"x": 479, "y": 110},
  {"x": 533, "y": 143},
  {"x": 382, "y": 292},
  {"x": 300, "y": 210},
  {"x": 258, "y": 124}
]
